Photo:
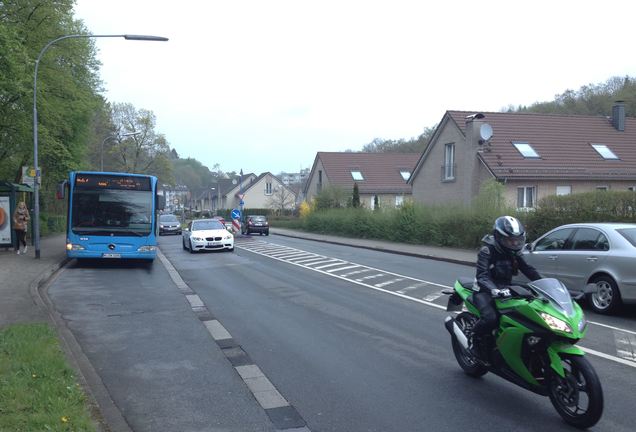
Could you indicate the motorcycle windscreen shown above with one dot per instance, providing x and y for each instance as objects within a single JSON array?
[{"x": 556, "y": 292}]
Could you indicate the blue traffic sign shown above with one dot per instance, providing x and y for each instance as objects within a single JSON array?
[
  {"x": 236, "y": 214},
  {"x": 242, "y": 202}
]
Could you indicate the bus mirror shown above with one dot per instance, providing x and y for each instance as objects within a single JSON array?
[
  {"x": 60, "y": 192},
  {"x": 161, "y": 202}
]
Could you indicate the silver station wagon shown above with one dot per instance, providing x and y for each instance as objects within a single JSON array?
[{"x": 598, "y": 258}]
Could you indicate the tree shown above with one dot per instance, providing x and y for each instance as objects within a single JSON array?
[
  {"x": 413, "y": 145},
  {"x": 355, "y": 200},
  {"x": 281, "y": 199},
  {"x": 331, "y": 197},
  {"x": 145, "y": 152}
]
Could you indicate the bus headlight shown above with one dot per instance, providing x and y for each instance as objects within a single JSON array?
[
  {"x": 556, "y": 324},
  {"x": 74, "y": 247},
  {"x": 147, "y": 249}
]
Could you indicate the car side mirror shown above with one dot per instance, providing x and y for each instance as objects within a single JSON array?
[{"x": 186, "y": 229}]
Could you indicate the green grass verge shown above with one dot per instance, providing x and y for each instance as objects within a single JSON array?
[{"x": 38, "y": 391}]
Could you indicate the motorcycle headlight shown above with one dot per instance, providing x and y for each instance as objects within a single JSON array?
[
  {"x": 582, "y": 323},
  {"x": 555, "y": 323}
]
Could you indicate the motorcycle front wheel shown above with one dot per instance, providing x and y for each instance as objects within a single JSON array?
[
  {"x": 465, "y": 321},
  {"x": 578, "y": 397}
]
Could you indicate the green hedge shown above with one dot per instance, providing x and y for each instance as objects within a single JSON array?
[{"x": 455, "y": 226}]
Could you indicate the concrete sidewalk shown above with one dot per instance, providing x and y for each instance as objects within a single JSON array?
[{"x": 22, "y": 275}]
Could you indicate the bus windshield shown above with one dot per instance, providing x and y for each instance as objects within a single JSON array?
[{"x": 112, "y": 212}]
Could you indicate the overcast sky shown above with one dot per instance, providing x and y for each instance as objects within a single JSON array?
[{"x": 264, "y": 85}]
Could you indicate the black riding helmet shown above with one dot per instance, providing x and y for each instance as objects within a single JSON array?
[{"x": 510, "y": 235}]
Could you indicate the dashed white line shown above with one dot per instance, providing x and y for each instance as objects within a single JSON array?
[
  {"x": 320, "y": 262},
  {"x": 342, "y": 268},
  {"x": 375, "y": 276},
  {"x": 389, "y": 282},
  {"x": 329, "y": 265}
]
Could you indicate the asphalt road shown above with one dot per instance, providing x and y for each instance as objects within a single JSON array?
[{"x": 352, "y": 338}]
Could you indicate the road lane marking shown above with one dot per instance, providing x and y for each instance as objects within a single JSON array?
[
  {"x": 375, "y": 276},
  {"x": 612, "y": 327},
  {"x": 194, "y": 300},
  {"x": 433, "y": 296},
  {"x": 389, "y": 282},
  {"x": 330, "y": 265},
  {"x": 625, "y": 345},
  {"x": 321, "y": 262},
  {"x": 217, "y": 330},
  {"x": 341, "y": 268},
  {"x": 355, "y": 272},
  {"x": 608, "y": 356}
]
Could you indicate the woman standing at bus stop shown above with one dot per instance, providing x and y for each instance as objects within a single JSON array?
[{"x": 20, "y": 222}]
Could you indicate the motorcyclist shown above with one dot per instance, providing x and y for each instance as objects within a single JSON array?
[{"x": 498, "y": 261}]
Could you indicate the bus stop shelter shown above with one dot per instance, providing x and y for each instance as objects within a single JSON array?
[{"x": 10, "y": 195}]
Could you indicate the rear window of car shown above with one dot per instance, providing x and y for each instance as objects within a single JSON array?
[
  {"x": 168, "y": 218},
  {"x": 259, "y": 218},
  {"x": 629, "y": 234}
]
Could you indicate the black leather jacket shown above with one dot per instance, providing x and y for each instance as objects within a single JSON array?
[{"x": 495, "y": 268}]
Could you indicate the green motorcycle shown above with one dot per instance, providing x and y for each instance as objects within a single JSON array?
[{"x": 533, "y": 347}]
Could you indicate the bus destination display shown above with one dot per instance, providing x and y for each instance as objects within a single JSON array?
[{"x": 91, "y": 181}]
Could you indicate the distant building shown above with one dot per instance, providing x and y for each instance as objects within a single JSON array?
[{"x": 381, "y": 175}]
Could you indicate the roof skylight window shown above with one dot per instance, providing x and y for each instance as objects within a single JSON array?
[
  {"x": 405, "y": 174},
  {"x": 604, "y": 151},
  {"x": 526, "y": 149},
  {"x": 357, "y": 175}
]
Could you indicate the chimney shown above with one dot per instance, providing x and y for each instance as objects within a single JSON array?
[{"x": 618, "y": 116}]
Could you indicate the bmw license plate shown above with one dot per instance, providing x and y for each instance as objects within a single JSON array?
[
  {"x": 213, "y": 243},
  {"x": 111, "y": 255}
]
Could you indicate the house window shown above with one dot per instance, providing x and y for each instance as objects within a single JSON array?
[
  {"x": 632, "y": 188},
  {"x": 449, "y": 161},
  {"x": 563, "y": 190},
  {"x": 526, "y": 150},
  {"x": 357, "y": 175},
  {"x": 399, "y": 200},
  {"x": 526, "y": 197},
  {"x": 604, "y": 151},
  {"x": 406, "y": 175},
  {"x": 602, "y": 188},
  {"x": 268, "y": 188},
  {"x": 319, "y": 185}
]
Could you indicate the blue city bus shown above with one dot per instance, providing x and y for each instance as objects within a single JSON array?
[{"x": 111, "y": 215}]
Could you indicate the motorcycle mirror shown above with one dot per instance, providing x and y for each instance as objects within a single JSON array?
[{"x": 529, "y": 247}]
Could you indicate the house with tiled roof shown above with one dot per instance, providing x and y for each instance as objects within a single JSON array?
[
  {"x": 383, "y": 175},
  {"x": 267, "y": 191},
  {"x": 533, "y": 155}
]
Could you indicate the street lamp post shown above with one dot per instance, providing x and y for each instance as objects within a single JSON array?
[
  {"x": 117, "y": 137},
  {"x": 36, "y": 184}
]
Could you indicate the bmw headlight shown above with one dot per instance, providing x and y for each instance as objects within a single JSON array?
[
  {"x": 160, "y": 226},
  {"x": 147, "y": 249},
  {"x": 227, "y": 237},
  {"x": 197, "y": 238},
  {"x": 555, "y": 323}
]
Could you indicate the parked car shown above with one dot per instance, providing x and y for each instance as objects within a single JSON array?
[
  {"x": 169, "y": 224},
  {"x": 207, "y": 234},
  {"x": 598, "y": 258},
  {"x": 255, "y": 224}
]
